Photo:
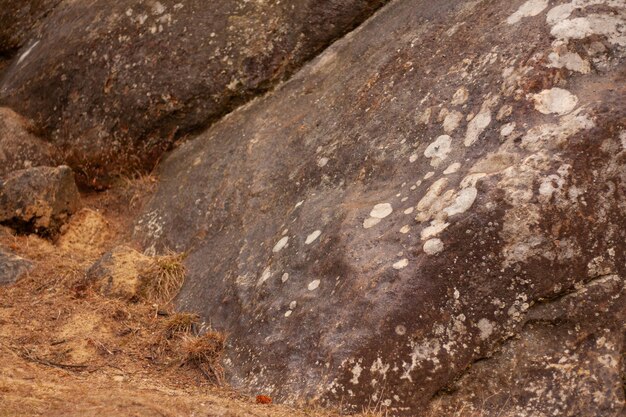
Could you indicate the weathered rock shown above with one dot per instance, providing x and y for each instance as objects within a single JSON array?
[
  {"x": 18, "y": 19},
  {"x": 38, "y": 199},
  {"x": 12, "y": 267},
  {"x": 391, "y": 215},
  {"x": 20, "y": 149},
  {"x": 118, "y": 273},
  {"x": 118, "y": 82}
]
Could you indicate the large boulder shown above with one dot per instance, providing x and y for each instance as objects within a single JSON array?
[
  {"x": 19, "y": 148},
  {"x": 118, "y": 82},
  {"x": 38, "y": 200},
  {"x": 426, "y": 191}
]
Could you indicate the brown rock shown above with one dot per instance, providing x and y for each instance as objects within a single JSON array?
[
  {"x": 118, "y": 273},
  {"x": 38, "y": 200},
  {"x": 116, "y": 83},
  {"x": 20, "y": 149},
  {"x": 391, "y": 215}
]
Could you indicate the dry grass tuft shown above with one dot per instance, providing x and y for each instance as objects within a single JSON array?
[
  {"x": 205, "y": 353},
  {"x": 163, "y": 278},
  {"x": 179, "y": 323}
]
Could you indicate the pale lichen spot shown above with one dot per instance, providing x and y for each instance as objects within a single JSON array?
[
  {"x": 409, "y": 210},
  {"x": 555, "y": 100},
  {"x": 370, "y": 222},
  {"x": 285, "y": 277},
  {"x": 267, "y": 273},
  {"x": 280, "y": 244},
  {"x": 477, "y": 126},
  {"x": 312, "y": 237},
  {"x": 288, "y": 313},
  {"x": 460, "y": 96},
  {"x": 452, "y": 121},
  {"x": 452, "y": 168},
  {"x": 528, "y": 9},
  {"x": 405, "y": 229},
  {"x": 569, "y": 60},
  {"x": 299, "y": 203},
  {"x": 486, "y": 328},
  {"x": 507, "y": 129},
  {"x": 382, "y": 210},
  {"x": 313, "y": 285},
  {"x": 433, "y": 246},
  {"x": 400, "y": 330},
  {"x": 401, "y": 264},
  {"x": 438, "y": 150},
  {"x": 356, "y": 373},
  {"x": 436, "y": 227},
  {"x": 322, "y": 162},
  {"x": 413, "y": 158},
  {"x": 429, "y": 174},
  {"x": 559, "y": 13},
  {"x": 292, "y": 305},
  {"x": 464, "y": 200}
]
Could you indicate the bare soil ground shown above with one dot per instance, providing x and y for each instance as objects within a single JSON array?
[{"x": 66, "y": 350}]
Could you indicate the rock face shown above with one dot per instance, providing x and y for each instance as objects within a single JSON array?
[
  {"x": 157, "y": 70},
  {"x": 12, "y": 267},
  {"x": 38, "y": 199},
  {"x": 444, "y": 185},
  {"x": 18, "y": 19},
  {"x": 20, "y": 149}
]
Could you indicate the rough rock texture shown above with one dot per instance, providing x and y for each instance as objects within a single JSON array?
[
  {"x": 18, "y": 18},
  {"x": 12, "y": 267},
  {"x": 19, "y": 148},
  {"x": 118, "y": 82},
  {"x": 410, "y": 202},
  {"x": 38, "y": 199},
  {"x": 118, "y": 273}
]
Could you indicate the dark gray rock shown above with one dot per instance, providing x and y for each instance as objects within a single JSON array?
[
  {"x": 390, "y": 216},
  {"x": 116, "y": 83},
  {"x": 38, "y": 200},
  {"x": 20, "y": 149},
  {"x": 12, "y": 267}
]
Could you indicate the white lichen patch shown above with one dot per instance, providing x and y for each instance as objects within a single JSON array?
[
  {"x": 611, "y": 26},
  {"x": 452, "y": 168},
  {"x": 486, "y": 328},
  {"x": 267, "y": 273},
  {"x": 438, "y": 150},
  {"x": 528, "y": 9},
  {"x": 322, "y": 162},
  {"x": 413, "y": 158},
  {"x": 436, "y": 227},
  {"x": 433, "y": 246},
  {"x": 313, "y": 285},
  {"x": 507, "y": 129},
  {"x": 460, "y": 97},
  {"x": 559, "y": 13},
  {"x": 285, "y": 277},
  {"x": 280, "y": 244},
  {"x": 555, "y": 100},
  {"x": 288, "y": 313},
  {"x": 464, "y": 200},
  {"x": 409, "y": 210},
  {"x": 405, "y": 229},
  {"x": 312, "y": 237},
  {"x": 569, "y": 60},
  {"x": 356, "y": 373},
  {"x": 452, "y": 121},
  {"x": 370, "y": 222},
  {"x": 382, "y": 210},
  {"x": 478, "y": 125},
  {"x": 401, "y": 264}
]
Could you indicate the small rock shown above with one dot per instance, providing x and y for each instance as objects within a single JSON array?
[
  {"x": 118, "y": 273},
  {"x": 38, "y": 200},
  {"x": 12, "y": 267}
]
